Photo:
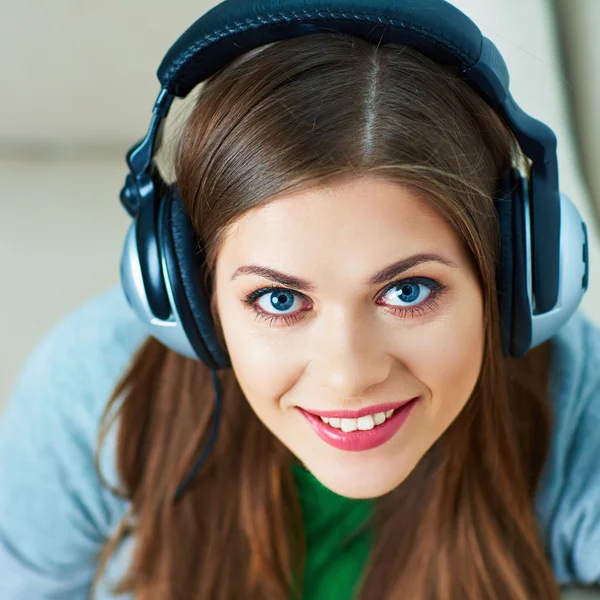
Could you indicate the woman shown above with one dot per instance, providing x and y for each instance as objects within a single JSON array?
[{"x": 374, "y": 443}]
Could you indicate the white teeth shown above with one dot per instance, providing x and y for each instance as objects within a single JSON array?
[
  {"x": 362, "y": 423},
  {"x": 349, "y": 425},
  {"x": 379, "y": 418},
  {"x": 365, "y": 423}
]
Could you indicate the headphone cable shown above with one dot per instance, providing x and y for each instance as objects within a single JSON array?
[{"x": 211, "y": 440}]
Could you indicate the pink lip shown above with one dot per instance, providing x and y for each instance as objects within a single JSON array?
[
  {"x": 355, "y": 414},
  {"x": 356, "y": 441}
]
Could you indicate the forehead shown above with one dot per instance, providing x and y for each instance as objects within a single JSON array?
[{"x": 367, "y": 216}]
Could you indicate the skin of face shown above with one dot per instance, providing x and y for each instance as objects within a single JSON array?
[{"x": 347, "y": 349}]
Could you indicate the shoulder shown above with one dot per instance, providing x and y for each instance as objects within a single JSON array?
[
  {"x": 568, "y": 501},
  {"x": 71, "y": 374},
  {"x": 54, "y": 511},
  {"x": 93, "y": 343},
  {"x": 575, "y": 364},
  {"x": 75, "y": 367}
]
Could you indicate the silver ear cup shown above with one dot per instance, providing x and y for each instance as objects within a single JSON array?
[
  {"x": 169, "y": 332},
  {"x": 572, "y": 273}
]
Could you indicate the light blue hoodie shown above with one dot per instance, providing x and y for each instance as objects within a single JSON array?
[{"x": 55, "y": 514}]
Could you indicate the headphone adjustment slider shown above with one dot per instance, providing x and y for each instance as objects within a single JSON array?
[{"x": 138, "y": 186}]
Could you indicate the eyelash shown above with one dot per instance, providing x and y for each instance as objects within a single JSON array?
[{"x": 427, "y": 305}]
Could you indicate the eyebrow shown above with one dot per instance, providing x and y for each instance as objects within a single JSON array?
[{"x": 382, "y": 276}]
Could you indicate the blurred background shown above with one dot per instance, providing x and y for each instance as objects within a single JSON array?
[
  {"x": 77, "y": 88},
  {"x": 78, "y": 84}
]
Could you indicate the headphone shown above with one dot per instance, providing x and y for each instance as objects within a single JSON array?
[{"x": 544, "y": 266}]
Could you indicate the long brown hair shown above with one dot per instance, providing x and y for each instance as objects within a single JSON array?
[{"x": 292, "y": 115}]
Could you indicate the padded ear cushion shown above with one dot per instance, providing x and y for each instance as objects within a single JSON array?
[
  {"x": 146, "y": 234},
  {"x": 504, "y": 275},
  {"x": 191, "y": 295},
  {"x": 521, "y": 305}
]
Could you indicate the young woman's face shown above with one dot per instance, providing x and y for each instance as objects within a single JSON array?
[{"x": 352, "y": 298}]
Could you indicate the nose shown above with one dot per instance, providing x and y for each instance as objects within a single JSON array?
[{"x": 348, "y": 356}]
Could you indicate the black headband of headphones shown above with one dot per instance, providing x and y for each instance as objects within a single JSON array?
[{"x": 434, "y": 27}]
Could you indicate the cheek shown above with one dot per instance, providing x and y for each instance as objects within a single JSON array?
[
  {"x": 450, "y": 357},
  {"x": 258, "y": 357}
]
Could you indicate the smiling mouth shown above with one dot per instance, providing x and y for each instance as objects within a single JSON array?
[
  {"x": 386, "y": 408},
  {"x": 363, "y": 423},
  {"x": 363, "y": 419},
  {"x": 353, "y": 431}
]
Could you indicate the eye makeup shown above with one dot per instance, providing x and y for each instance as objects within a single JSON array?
[{"x": 435, "y": 288}]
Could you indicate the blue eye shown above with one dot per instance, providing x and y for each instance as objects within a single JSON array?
[
  {"x": 409, "y": 293},
  {"x": 278, "y": 300}
]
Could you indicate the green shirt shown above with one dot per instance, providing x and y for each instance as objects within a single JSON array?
[{"x": 334, "y": 557}]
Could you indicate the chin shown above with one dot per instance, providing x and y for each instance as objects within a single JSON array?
[{"x": 361, "y": 485}]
